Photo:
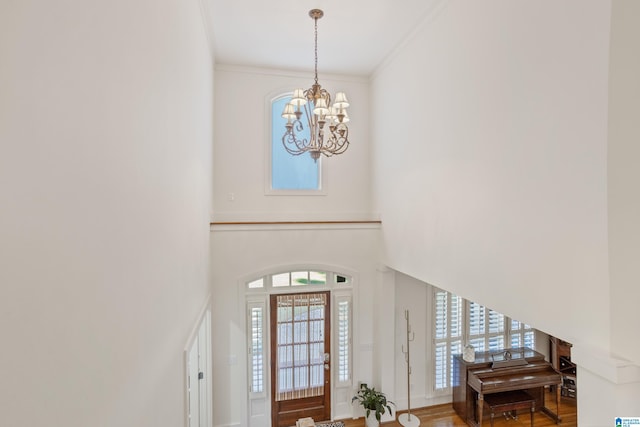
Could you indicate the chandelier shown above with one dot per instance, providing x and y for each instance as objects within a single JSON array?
[{"x": 327, "y": 123}]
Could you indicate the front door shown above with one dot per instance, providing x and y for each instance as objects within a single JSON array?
[{"x": 300, "y": 368}]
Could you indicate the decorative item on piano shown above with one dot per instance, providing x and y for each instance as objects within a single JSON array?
[
  {"x": 469, "y": 353},
  {"x": 506, "y": 359}
]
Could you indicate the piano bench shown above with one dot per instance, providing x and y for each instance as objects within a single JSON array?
[{"x": 510, "y": 401}]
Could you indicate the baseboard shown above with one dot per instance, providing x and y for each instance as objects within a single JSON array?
[{"x": 228, "y": 425}]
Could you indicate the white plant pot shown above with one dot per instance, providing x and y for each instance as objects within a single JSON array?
[{"x": 371, "y": 420}]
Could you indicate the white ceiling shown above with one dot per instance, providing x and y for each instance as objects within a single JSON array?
[{"x": 354, "y": 36}]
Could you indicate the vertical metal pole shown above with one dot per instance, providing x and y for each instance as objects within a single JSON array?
[
  {"x": 408, "y": 357},
  {"x": 408, "y": 421}
]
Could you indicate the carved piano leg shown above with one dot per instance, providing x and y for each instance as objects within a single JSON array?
[
  {"x": 547, "y": 409},
  {"x": 480, "y": 407},
  {"x": 533, "y": 410}
]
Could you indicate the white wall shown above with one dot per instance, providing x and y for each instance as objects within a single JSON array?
[
  {"x": 105, "y": 171},
  {"x": 616, "y": 374},
  {"x": 242, "y": 134},
  {"x": 605, "y": 399},
  {"x": 489, "y": 129},
  {"x": 411, "y": 295},
  {"x": 491, "y": 178},
  {"x": 240, "y": 254},
  {"x": 623, "y": 177},
  {"x": 242, "y": 144}
]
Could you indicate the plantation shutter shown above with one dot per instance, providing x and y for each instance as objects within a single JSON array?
[
  {"x": 522, "y": 335},
  {"x": 256, "y": 319},
  {"x": 458, "y": 322},
  {"x": 486, "y": 328},
  {"x": 447, "y": 336},
  {"x": 343, "y": 362}
]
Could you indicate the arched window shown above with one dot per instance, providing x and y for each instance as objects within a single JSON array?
[{"x": 289, "y": 172}]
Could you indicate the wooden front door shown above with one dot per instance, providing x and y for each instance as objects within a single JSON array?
[{"x": 300, "y": 361}]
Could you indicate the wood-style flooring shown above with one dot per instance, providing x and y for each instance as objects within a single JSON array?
[{"x": 445, "y": 416}]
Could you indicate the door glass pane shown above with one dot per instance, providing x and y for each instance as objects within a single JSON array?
[
  {"x": 284, "y": 333},
  {"x": 301, "y": 377},
  {"x": 300, "y": 343},
  {"x": 285, "y": 379},
  {"x": 317, "y": 375},
  {"x": 300, "y": 332},
  {"x": 301, "y": 352}
]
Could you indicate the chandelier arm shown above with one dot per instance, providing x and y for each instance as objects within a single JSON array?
[
  {"x": 338, "y": 142},
  {"x": 290, "y": 140},
  {"x": 326, "y": 135}
]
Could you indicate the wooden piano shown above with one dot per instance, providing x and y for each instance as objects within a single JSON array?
[{"x": 501, "y": 371}]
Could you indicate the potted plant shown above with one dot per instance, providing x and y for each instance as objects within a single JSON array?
[{"x": 374, "y": 402}]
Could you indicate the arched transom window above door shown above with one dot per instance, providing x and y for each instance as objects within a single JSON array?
[{"x": 300, "y": 279}]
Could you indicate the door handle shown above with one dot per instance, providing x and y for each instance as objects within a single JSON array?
[{"x": 326, "y": 366}]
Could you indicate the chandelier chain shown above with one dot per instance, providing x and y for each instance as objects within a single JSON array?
[{"x": 316, "y": 46}]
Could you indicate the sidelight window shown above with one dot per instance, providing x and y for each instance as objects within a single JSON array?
[
  {"x": 256, "y": 322},
  {"x": 343, "y": 359}
]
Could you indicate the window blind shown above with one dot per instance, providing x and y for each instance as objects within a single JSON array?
[{"x": 300, "y": 346}]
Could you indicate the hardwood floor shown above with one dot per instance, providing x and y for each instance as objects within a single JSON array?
[{"x": 445, "y": 416}]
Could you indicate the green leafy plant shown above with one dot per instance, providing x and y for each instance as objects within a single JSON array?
[{"x": 373, "y": 400}]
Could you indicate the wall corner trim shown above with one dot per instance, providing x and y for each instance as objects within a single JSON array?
[{"x": 599, "y": 362}]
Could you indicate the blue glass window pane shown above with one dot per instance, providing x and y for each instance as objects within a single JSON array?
[{"x": 290, "y": 172}]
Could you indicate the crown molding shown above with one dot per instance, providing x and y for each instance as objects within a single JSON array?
[
  {"x": 293, "y": 225},
  {"x": 301, "y": 74},
  {"x": 432, "y": 14}
]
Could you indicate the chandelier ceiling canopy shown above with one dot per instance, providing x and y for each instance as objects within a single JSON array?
[{"x": 312, "y": 108}]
